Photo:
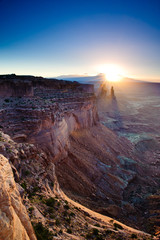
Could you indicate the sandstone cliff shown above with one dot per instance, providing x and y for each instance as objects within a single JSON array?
[
  {"x": 48, "y": 118},
  {"x": 14, "y": 221}
]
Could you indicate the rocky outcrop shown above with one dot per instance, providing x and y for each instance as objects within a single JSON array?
[
  {"x": 14, "y": 221},
  {"x": 28, "y": 160}
]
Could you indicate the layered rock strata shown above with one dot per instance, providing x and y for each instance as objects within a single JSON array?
[{"x": 48, "y": 118}]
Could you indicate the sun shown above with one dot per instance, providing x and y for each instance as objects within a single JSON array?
[{"x": 113, "y": 73}]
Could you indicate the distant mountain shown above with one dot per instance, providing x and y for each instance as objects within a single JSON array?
[
  {"x": 126, "y": 79},
  {"x": 93, "y": 79},
  {"x": 83, "y": 79}
]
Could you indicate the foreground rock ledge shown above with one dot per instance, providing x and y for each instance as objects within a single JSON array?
[{"x": 14, "y": 220}]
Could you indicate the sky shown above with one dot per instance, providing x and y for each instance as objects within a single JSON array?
[{"x": 57, "y": 37}]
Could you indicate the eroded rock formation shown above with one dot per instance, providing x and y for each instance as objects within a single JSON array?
[{"x": 14, "y": 221}]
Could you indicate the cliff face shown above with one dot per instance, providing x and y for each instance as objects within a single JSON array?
[
  {"x": 17, "y": 88},
  {"x": 48, "y": 119},
  {"x": 14, "y": 221},
  {"x": 53, "y": 137}
]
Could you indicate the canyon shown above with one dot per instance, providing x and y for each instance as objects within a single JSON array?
[{"x": 57, "y": 144}]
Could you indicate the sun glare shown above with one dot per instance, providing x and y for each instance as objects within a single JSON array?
[{"x": 113, "y": 73}]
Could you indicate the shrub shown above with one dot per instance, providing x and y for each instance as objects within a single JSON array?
[
  {"x": 116, "y": 225},
  {"x": 68, "y": 220},
  {"x": 42, "y": 232},
  {"x": 27, "y": 172},
  {"x": 50, "y": 202},
  {"x": 36, "y": 189},
  {"x": 51, "y": 210},
  {"x": 97, "y": 225},
  {"x": 66, "y": 207},
  {"x": 51, "y": 216},
  {"x": 95, "y": 231},
  {"x": 89, "y": 236},
  {"x": 107, "y": 232},
  {"x": 60, "y": 232},
  {"x": 69, "y": 231},
  {"x": 57, "y": 222},
  {"x": 8, "y": 150},
  {"x": 65, "y": 213},
  {"x": 77, "y": 208},
  {"x": 100, "y": 237},
  {"x": 72, "y": 214},
  {"x": 52, "y": 184},
  {"x": 133, "y": 235},
  {"x": 24, "y": 185},
  {"x": 30, "y": 209},
  {"x": 32, "y": 193},
  {"x": 41, "y": 198}
]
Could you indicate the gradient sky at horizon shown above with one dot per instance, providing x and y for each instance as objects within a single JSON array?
[{"x": 51, "y": 38}]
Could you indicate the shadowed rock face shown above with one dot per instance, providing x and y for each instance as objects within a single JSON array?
[
  {"x": 15, "y": 88},
  {"x": 98, "y": 168},
  {"x": 14, "y": 221},
  {"x": 102, "y": 172}
]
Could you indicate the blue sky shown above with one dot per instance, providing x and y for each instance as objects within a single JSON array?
[{"x": 52, "y": 38}]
